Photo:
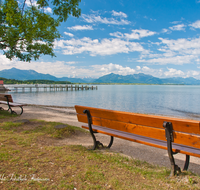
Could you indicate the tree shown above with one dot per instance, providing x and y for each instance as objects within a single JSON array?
[{"x": 27, "y": 30}]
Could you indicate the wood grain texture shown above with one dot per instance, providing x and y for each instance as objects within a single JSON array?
[
  {"x": 155, "y": 133},
  {"x": 182, "y": 125}
]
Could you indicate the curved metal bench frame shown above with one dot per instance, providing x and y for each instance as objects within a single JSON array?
[
  {"x": 169, "y": 136},
  {"x": 97, "y": 144}
]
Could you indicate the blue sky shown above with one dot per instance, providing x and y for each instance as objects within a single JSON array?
[{"x": 156, "y": 37}]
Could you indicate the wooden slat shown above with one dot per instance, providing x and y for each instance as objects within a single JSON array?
[
  {"x": 151, "y": 132},
  {"x": 182, "y": 125},
  {"x": 145, "y": 140},
  {"x": 3, "y": 102}
]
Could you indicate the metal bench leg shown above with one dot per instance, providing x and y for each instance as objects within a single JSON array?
[
  {"x": 21, "y": 110},
  {"x": 111, "y": 141},
  {"x": 187, "y": 161},
  {"x": 170, "y": 139},
  {"x": 96, "y": 143}
]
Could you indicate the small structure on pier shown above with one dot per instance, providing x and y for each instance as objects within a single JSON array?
[{"x": 2, "y": 87}]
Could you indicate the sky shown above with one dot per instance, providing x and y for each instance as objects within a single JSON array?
[{"x": 155, "y": 37}]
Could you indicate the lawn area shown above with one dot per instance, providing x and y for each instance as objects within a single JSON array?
[{"x": 32, "y": 158}]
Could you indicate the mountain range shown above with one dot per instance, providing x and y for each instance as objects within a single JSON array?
[
  {"x": 145, "y": 79},
  {"x": 140, "y": 78}
]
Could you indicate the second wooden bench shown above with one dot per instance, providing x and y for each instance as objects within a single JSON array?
[{"x": 7, "y": 99}]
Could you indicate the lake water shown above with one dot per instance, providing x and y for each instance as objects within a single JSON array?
[{"x": 170, "y": 100}]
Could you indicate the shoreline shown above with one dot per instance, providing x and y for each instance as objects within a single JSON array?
[
  {"x": 40, "y": 105},
  {"x": 191, "y": 116}
]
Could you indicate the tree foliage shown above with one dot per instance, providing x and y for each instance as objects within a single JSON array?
[{"x": 27, "y": 30}]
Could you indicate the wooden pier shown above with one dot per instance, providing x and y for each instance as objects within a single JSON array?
[{"x": 50, "y": 88}]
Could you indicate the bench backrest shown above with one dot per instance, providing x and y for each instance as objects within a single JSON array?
[
  {"x": 3, "y": 97},
  {"x": 185, "y": 132}
]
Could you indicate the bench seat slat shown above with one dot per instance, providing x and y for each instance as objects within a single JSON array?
[
  {"x": 3, "y": 102},
  {"x": 12, "y": 104},
  {"x": 145, "y": 140},
  {"x": 155, "y": 133},
  {"x": 181, "y": 125},
  {"x": 16, "y": 104}
]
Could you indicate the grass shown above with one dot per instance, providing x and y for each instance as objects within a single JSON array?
[
  {"x": 5, "y": 114},
  {"x": 32, "y": 158}
]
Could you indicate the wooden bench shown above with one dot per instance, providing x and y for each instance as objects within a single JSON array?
[
  {"x": 7, "y": 100},
  {"x": 173, "y": 134}
]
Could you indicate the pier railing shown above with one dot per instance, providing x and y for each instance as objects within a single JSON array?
[{"x": 51, "y": 87}]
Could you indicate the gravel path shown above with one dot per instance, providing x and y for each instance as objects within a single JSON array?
[{"x": 149, "y": 154}]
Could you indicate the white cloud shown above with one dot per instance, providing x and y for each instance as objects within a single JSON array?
[
  {"x": 69, "y": 34},
  {"x": 98, "y": 19},
  {"x": 175, "y": 22},
  {"x": 176, "y": 60},
  {"x": 79, "y": 27},
  {"x": 5, "y": 63},
  {"x": 195, "y": 24},
  {"x": 178, "y": 52},
  {"x": 137, "y": 34},
  {"x": 34, "y": 3},
  {"x": 164, "y": 30},
  {"x": 96, "y": 47},
  {"x": 149, "y": 18},
  {"x": 121, "y": 14},
  {"x": 149, "y": 71},
  {"x": 113, "y": 68},
  {"x": 117, "y": 34},
  {"x": 138, "y": 67},
  {"x": 181, "y": 44},
  {"x": 192, "y": 73},
  {"x": 70, "y": 62},
  {"x": 47, "y": 10},
  {"x": 31, "y": 3},
  {"x": 178, "y": 27},
  {"x": 173, "y": 72}
]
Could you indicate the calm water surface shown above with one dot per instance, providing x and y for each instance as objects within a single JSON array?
[{"x": 171, "y": 100}]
